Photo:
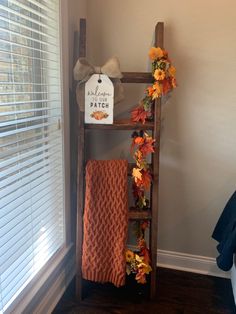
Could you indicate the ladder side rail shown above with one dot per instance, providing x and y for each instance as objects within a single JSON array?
[
  {"x": 159, "y": 42},
  {"x": 80, "y": 169}
]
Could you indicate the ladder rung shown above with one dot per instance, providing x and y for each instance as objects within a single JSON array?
[
  {"x": 125, "y": 124},
  {"x": 135, "y": 214},
  {"x": 137, "y": 77}
]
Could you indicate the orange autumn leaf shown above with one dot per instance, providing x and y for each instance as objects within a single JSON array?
[
  {"x": 173, "y": 81},
  {"x": 157, "y": 90},
  {"x": 166, "y": 86},
  {"x": 146, "y": 180},
  {"x": 150, "y": 91},
  {"x": 146, "y": 257},
  {"x": 172, "y": 71},
  {"x": 139, "y": 114},
  {"x": 140, "y": 277},
  {"x": 139, "y": 140},
  {"x": 144, "y": 251},
  {"x": 147, "y": 147}
]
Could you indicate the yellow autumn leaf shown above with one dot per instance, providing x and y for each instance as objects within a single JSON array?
[
  {"x": 172, "y": 71},
  {"x": 145, "y": 268},
  {"x": 137, "y": 173},
  {"x": 138, "y": 258}
]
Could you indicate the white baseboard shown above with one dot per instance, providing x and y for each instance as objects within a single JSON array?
[
  {"x": 188, "y": 262},
  {"x": 168, "y": 259},
  {"x": 191, "y": 263}
]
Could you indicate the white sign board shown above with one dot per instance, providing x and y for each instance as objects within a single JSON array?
[{"x": 99, "y": 100}]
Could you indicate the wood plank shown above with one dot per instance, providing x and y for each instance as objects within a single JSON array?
[
  {"x": 75, "y": 48},
  {"x": 178, "y": 292},
  {"x": 135, "y": 214},
  {"x": 159, "y": 42},
  {"x": 73, "y": 113},
  {"x": 124, "y": 124},
  {"x": 82, "y": 43},
  {"x": 137, "y": 77},
  {"x": 80, "y": 174},
  {"x": 80, "y": 206}
]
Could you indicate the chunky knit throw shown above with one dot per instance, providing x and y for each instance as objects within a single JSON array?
[{"x": 105, "y": 221}]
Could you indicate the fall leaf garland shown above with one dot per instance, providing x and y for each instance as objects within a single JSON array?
[
  {"x": 142, "y": 146},
  {"x": 163, "y": 73},
  {"x": 139, "y": 263}
]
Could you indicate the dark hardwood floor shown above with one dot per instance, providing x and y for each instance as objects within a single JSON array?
[{"x": 177, "y": 293}]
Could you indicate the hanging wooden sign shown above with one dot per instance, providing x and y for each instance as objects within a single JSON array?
[{"x": 99, "y": 100}]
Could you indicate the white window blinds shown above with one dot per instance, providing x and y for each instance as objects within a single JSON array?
[{"x": 31, "y": 146}]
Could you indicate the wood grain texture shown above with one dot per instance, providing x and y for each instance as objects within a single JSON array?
[
  {"x": 82, "y": 39},
  {"x": 124, "y": 124},
  {"x": 137, "y": 77},
  {"x": 177, "y": 293},
  {"x": 80, "y": 171},
  {"x": 80, "y": 206},
  {"x": 159, "y": 37},
  {"x": 128, "y": 77},
  {"x": 73, "y": 113},
  {"x": 135, "y": 214}
]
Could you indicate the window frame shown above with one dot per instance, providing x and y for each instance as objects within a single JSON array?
[{"x": 35, "y": 292}]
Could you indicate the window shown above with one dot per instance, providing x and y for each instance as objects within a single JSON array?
[{"x": 31, "y": 143}]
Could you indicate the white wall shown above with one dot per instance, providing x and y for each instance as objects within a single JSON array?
[{"x": 198, "y": 151}]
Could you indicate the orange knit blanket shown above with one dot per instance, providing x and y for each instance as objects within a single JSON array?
[{"x": 105, "y": 221}]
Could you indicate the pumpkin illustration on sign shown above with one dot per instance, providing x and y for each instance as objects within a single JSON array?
[{"x": 99, "y": 115}]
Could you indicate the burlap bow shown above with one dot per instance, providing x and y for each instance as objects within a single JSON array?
[{"x": 83, "y": 70}]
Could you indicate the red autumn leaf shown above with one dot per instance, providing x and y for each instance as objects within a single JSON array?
[
  {"x": 142, "y": 243},
  {"x": 139, "y": 114},
  {"x": 147, "y": 147},
  {"x": 150, "y": 91},
  {"x": 140, "y": 277},
  {"x": 137, "y": 191},
  {"x": 145, "y": 182},
  {"x": 146, "y": 178},
  {"x": 146, "y": 257},
  {"x": 165, "y": 54},
  {"x": 144, "y": 251},
  {"x": 166, "y": 86},
  {"x": 132, "y": 146},
  {"x": 144, "y": 225}
]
